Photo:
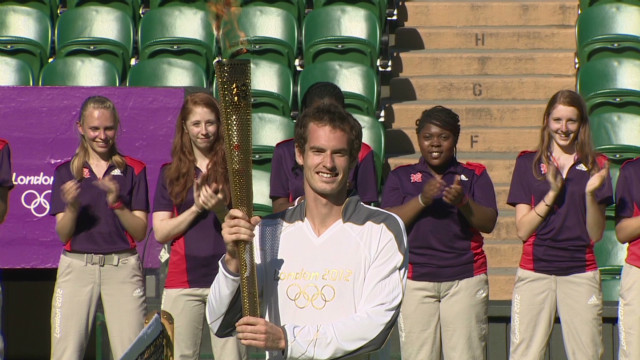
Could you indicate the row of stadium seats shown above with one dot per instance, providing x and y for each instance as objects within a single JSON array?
[{"x": 608, "y": 55}]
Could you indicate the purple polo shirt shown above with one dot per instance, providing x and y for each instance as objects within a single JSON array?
[
  {"x": 442, "y": 244},
  {"x": 5, "y": 165},
  {"x": 195, "y": 254},
  {"x": 561, "y": 244},
  {"x": 287, "y": 178},
  {"x": 627, "y": 203},
  {"x": 98, "y": 229}
]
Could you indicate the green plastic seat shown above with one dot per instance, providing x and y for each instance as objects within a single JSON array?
[
  {"x": 610, "y": 255},
  {"x": 26, "y": 34},
  {"x": 618, "y": 155},
  {"x": 266, "y": 32},
  {"x": 197, "y": 4},
  {"x": 261, "y": 175},
  {"x": 178, "y": 32},
  {"x": 615, "y": 121},
  {"x": 341, "y": 33},
  {"x": 296, "y": 8},
  {"x": 14, "y": 72},
  {"x": 373, "y": 134},
  {"x": 359, "y": 84},
  {"x": 79, "y": 71},
  {"x": 377, "y": 7},
  {"x": 48, "y": 7},
  {"x": 608, "y": 29},
  {"x": 608, "y": 77},
  {"x": 129, "y": 7},
  {"x": 270, "y": 129},
  {"x": 97, "y": 31},
  {"x": 167, "y": 72}
]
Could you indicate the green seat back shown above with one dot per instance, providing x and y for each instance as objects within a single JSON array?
[
  {"x": 608, "y": 29},
  {"x": 341, "y": 33},
  {"x": 129, "y": 7},
  {"x": 377, "y": 7},
  {"x": 616, "y": 122},
  {"x": 264, "y": 31},
  {"x": 618, "y": 155},
  {"x": 608, "y": 77},
  {"x": 79, "y": 71},
  {"x": 610, "y": 253},
  {"x": 167, "y": 72},
  {"x": 197, "y": 4},
  {"x": 48, "y": 7},
  {"x": 270, "y": 129},
  {"x": 296, "y": 8},
  {"x": 178, "y": 32},
  {"x": 261, "y": 175},
  {"x": 14, "y": 72},
  {"x": 359, "y": 84},
  {"x": 26, "y": 34},
  {"x": 373, "y": 134},
  {"x": 98, "y": 31}
]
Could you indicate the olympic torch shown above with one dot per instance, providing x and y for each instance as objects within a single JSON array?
[{"x": 234, "y": 91}]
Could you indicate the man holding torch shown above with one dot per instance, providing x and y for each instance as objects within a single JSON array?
[{"x": 331, "y": 271}]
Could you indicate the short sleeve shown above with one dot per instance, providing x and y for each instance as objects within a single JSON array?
[
  {"x": 519, "y": 190},
  {"x": 61, "y": 175},
  {"x": 367, "y": 178},
  {"x": 280, "y": 167},
  {"x": 392, "y": 194},
  {"x": 162, "y": 200},
  {"x": 140, "y": 191},
  {"x": 483, "y": 191}
]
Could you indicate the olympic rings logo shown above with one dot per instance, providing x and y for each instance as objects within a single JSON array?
[
  {"x": 35, "y": 202},
  {"x": 311, "y": 295}
]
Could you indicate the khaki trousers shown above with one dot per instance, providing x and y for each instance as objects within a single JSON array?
[
  {"x": 78, "y": 287},
  {"x": 578, "y": 301},
  {"x": 187, "y": 306},
  {"x": 629, "y": 314},
  {"x": 444, "y": 317}
]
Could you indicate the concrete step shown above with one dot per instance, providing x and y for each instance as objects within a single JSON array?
[
  {"x": 479, "y": 88},
  {"x": 472, "y": 113},
  {"x": 485, "y": 62},
  {"x": 503, "y": 254},
  {"x": 477, "y": 139},
  {"x": 486, "y": 38},
  {"x": 499, "y": 165},
  {"x": 488, "y": 13},
  {"x": 501, "y": 282}
]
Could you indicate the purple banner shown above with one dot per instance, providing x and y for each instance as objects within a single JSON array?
[{"x": 40, "y": 125}]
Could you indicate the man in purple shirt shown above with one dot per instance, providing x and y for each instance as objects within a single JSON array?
[{"x": 286, "y": 175}]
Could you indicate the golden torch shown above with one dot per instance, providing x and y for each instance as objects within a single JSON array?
[{"x": 234, "y": 91}]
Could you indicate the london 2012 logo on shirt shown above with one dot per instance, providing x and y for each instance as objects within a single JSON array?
[{"x": 417, "y": 177}]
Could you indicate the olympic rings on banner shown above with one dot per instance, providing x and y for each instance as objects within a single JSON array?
[{"x": 35, "y": 202}]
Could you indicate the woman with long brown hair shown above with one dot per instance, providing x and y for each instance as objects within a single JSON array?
[
  {"x": 100, "y": 202},
  {"x": 560, "y": 192},
  {"x": 191, "y": 201}
]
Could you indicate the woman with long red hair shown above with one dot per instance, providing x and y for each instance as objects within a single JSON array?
[{"x": 192, "y": 198}]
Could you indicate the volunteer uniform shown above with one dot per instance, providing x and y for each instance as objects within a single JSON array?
[
  {"x": 5, "y": 181},
  {"x": 99, "y": 261},
  {"x": 446, "y": 301},
  {"x": 192, "y": 268},
  {"x": 628, "y": 206},
  {"x": 287, "y": 178},
  {"x": 558, "y": 269},
  {"x": 335, "y": 295}
]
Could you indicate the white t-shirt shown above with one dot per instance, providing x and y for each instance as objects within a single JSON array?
[{"x": 337, "y": 294}]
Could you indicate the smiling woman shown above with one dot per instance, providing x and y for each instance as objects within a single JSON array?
[{"x": 445, "y": 205}]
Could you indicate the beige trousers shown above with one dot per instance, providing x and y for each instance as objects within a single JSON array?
[
  {"x": 444, "y": 317},
  {"x": 629, "y": 314}
]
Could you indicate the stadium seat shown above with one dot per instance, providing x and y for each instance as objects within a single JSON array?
[
  {"x": 373, "y": 134},
  {"x": 608, "y": 29},
  {"x": 264, "y": 31},
  {"x": 97, "y": 31},
  {"x": 296, "y": 8},
  {"x": 197, "y": 4},
  {"x": 14, "y": 72},
  {"x": 271, "y": 87},
  {"x": 79, "y": 71},
  {"x": 261, "y": 177},
  {"x": 48, "y": 7},
  {"x": 377, "y": 7},
  {"x": 610, "y": 256},
  {"x": 615, "y": 121},
  {"x": 358, "y": 82},
  {"x": 167, "y": 72},
  {"x": 26, "y": 34},
  {"x": 178, "y": 32},
  {"x": 269, "y": 129},
  {"x": 129, "y": 7},
  {"x": 341, "y": 33},
  {"x": 608, "y": 77}
]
